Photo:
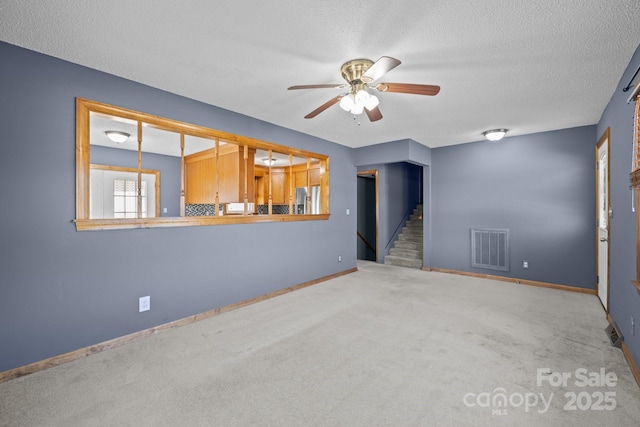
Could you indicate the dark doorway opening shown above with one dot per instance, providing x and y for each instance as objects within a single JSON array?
[{"x": 367, "y": 233}]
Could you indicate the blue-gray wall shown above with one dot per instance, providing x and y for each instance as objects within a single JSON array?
[
  {"x": 62, "y": 290},
  {"x": 539, "y": 186},
  {"x": 624, "y": 301},
  {"x": 404, "y": 150}
]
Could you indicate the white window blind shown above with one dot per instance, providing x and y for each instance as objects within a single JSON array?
[{"x": 125, "y": 198}]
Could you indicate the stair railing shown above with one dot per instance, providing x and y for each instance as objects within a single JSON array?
[
  {"x": 367, "y": 244},
  {"x": 395, "y": 233}
]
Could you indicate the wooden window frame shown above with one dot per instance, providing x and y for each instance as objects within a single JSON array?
[
  {"x": 83, "y": 222},
  {"x": 634, "y": 177}
]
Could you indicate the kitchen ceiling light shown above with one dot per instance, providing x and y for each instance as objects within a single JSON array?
[
  {"x": 117, "y": 136},
  {"x": 268, "y": 162},
  {"x": 495, "y": 134}
]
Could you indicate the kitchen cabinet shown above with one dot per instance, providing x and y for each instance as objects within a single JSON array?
[
  {"x": 235, "y": 176},
  {"x": 279, "y": 185}
]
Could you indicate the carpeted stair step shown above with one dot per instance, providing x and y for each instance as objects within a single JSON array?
[
  {"x": 415, "y": 219},
  {"x": 406, "y": 253},
  {"x": 402, "y": 262},
  {"x": 406, "y": 244},
  {"x": 407, "y": 249},
  {"x": 411, "y": 237},
  {"x": 412, "y": 230}
]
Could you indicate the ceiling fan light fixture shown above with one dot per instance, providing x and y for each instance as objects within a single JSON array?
[
  {"x": 347, "y": 102},
  {"x": 117, "y": 136},
  {"x": 495, "y": 134},
  {"x": 362, "y": 96},
  {"x": 357, "y": 109},
  {"x": 268, "y": 162},
  {"x": 356, "y": 103},
  {"x": 372, "y": 102}
]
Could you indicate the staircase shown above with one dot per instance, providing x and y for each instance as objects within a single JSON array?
[{"x": 407, "y": 249}]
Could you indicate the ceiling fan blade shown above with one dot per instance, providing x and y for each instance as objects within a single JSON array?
[
  {"x": 323, "y": 107},
  {"x": 379, "y": 68},
  {"x": 374, "y": 115},
  {"x": 408, "y": 88},
  {"x": 327, "y": 86}
]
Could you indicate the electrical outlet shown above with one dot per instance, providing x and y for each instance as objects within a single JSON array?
[
  {"x": 144, "y": 304},
  {"x": 339, "y": 258},
  {"x": 525, "y": 264},
  {"x": 348, "y": 211}
]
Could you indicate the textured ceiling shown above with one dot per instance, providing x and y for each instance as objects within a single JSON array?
[{"x": 528, "y": 66}]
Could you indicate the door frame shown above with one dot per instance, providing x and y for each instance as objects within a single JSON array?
[
  {"x": 605, "y": 138},
  {"x": 373, "y": 172}
]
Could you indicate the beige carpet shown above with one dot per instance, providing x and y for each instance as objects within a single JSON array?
[{"x": 383, "y": 346}]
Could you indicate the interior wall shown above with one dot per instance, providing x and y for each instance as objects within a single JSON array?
[
  {"x": 624, "y": 301},
  {"x": 538, "y": 186},
  {"x": 404, "y": 150},
  {"x": 61, "y": 290}
]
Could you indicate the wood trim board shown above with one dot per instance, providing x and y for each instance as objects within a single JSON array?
[
  {"x": 117, "y": 342},
  {"x": 513, "y": 280},
  {"x": 631, "y": 361},
  {"x": 635, "y": 371},
  {"x": 625, "y": 350}
]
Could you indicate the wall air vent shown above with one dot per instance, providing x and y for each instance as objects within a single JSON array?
[{"x": 490, "y": 248}]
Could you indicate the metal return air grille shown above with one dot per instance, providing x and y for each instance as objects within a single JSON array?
[{"x": 490, "y": 248}]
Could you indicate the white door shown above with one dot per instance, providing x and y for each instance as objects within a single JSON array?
[{"x": 604, "y": 214}]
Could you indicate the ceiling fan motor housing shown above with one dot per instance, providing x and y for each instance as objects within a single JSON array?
[{"x": 353, "y": 70}]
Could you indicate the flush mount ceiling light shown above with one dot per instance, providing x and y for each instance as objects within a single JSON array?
[
  {"x": 495, "y": 134},
  {"x": 268, "y": 162},
  {"x": 117, "y": 136}
]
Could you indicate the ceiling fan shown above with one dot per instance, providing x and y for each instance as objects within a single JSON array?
[{"x": 361, "y": 74}]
